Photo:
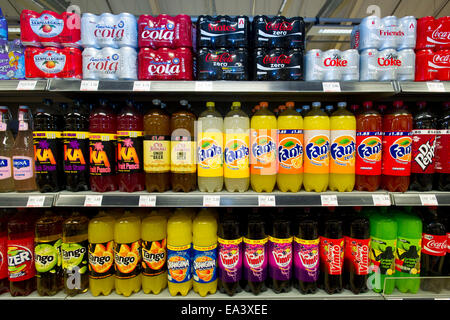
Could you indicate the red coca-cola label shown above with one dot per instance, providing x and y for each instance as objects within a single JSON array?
[
  {"x": 21, "y": 259},
  {"x": 434, "y": 245},
  {"x": 423, "y": 150},
  {"x": 357, "y": 253},
  {"x": 433, "y": 33},
  {"x": 279, "y": 26},
  {"x": 3, "y": 257},
  {"x": 397, "y": 147},
  {"x": 332, "y": 255},
  {"x": 165, "y": 64},
  {"x": 335, "y": 61},
  {"x": 282, "y": 58},
  {"x": 222, "y": 57},
  {"x": 442, "y": 154},
  {"x": 391, "y": 59},
  {"x": 368, "y": 153}
]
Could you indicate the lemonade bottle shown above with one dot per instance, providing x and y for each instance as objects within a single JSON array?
[
  {"x": 154, "y": 254},
  {"x": 290, "y": 149},
  {"x": 204, "y": 255},
  {"x": 317, "y": 149},
  {"x": 263, "y": 162},
  {"x": 127, "y": 255},
  {"x": 236, "y": 149},
  {"x": 179, "y": 238},
  {"x": 342, "y": 150},
  {"x": 101, "y": 254},
  {"x": 210, "y": 150}
]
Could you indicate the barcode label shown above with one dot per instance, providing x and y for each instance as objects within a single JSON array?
[
  {"x": 147, "y": 201},
  {"x": 89, "y": 85},
  {"x": 435, "y": 86},
  {"x": 93, "y": 200},
  {"x": 142, "y": 85},
  {"x": 35, "y": 201},
  {"x": 26, "y": 85},
  {"x": 158, "y": 155},
  {"x": 329, "y": 200},
  {"x": 266, "y": 201},
  {"x": 203, "y": 86},
  {"x": 428, "y": 199},
  {"x": 181, "y": 155},
  {"x": 211, "y": 201},
  {"x": 331, "y": 87},
  {"x": 381, "y": 200}
]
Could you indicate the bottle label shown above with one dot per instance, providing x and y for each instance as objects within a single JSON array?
[
  {"x": 5, "y": 167},
  {"x": 357, "y": 253},
  {"x": 75, "y": 255},
  {"x": 280, "y": 258},
  {"x": 368, "y": 153},
  {"x": 154, "y": 256},
  {"x": 342, "y": 151},
  {"x": 129, "y": 151},
  {"x": 45, "y": 150},
  {"x": 22, "y": 167},
  {"x": 179, "y": 263},
  {"x": 21, "y": 259},
  {"x": 423, "y": 150},
  {"x": 76, "y": 146},
  {"x": 442, "y": 156},
  {"x": 210, "y": 154},
  {"x": 236, "y": 155},
  {"x": 263, "y": 160},
  {"x": 127, "y": 259},
  {"x": 101, "y": 260},
  {"x": 255, "y": 260},
  {"x": 382, "y": 255},
  {"x": 434, "y": 245},
  {"x": 306, "y": 259},
  {"x": 290, "y": 151},
  {"x": 407, "y": 259},
  {"x": 102, "y": 150},
  {"x": 331, "y": 255},
  {"x": 182, "y": 154},
  {"x": 47, "y": 256},
  {"x": 397, "y": 148},
  {"x": 230, "y": 259},
  {"x": 317, "y": 151},
  {"x": 156, "y": 153},
  {"x": 204, "y": 263},
  {"x": 3, "y": 257}
]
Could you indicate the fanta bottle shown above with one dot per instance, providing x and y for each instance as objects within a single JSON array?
[
  {"x": 154, "y": 254},
  {"x": 236, "y": 149},
  {"x": 317, "y": 149},
  {"x": 101, "y": 254},
  {"x": 204, "y": 255},
  {"x": 342, "y": 151},
  {"x": 290, "y": 149},
  {"x": 179, "y": 242},
  {"x": 127, "y": 254},
  {"x": 210, "y": 149},
  {"x": 263, "y": 162}
]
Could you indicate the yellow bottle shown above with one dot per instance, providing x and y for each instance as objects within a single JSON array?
[
  {"x": 210, "y": 212},
  {"x": 154, "y": 254},
  {"x": 263, "y": 142},
  {"x": 179, "y": 243},
  {"x": 127, "y": 254},
  {"x": 343, "y": 148},
  {"x": 290, "y": 150},
  {"x": 317, "y": 149}
]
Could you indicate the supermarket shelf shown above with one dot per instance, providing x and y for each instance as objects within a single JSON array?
[
  {"x": 414, "y": 198},
  {"x": 29, "y": 199},
  {"x": 27, "y": 85},
  {"x": 434, "y": 87},
  {"x": 420, "y": 295},
  {"x": 34, "y": 296}
]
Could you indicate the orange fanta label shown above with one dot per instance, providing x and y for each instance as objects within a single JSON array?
[
  {"x": 290, "y": 151},
  {"x": 342, "y": 151},
  {"x": 317, "y": 151},
  {"x": 263, "y": 159}
]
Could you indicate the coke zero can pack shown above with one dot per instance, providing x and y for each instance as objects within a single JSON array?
[
  {"x": 278, "y": 64},
  {"x": 223, "y": 31},
  {"x": 222, "y": 64},
  {"x": 110, "y": 64},
  {"x": 332, "y": 65},
  {"x": 432, "y": 65},
  {"x": 278, "y": 32},
  {"x": 387, "y": 65},
  {"x": 433, "y": 33},
  {"x": 165, "y": 64}
]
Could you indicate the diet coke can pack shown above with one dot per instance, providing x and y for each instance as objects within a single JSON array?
[
  {"x": 165, "y": 64},
  {"x": 433, "y": 33},
  {"x": 52, "y": 62},
  {"x": 278, "y": 32},
  {"x": 110, "y": 64},
  {"x": 387, "y": 65},
  {"x": 278, "y": 64},
  {"x": 332, "y": 65},
  {"x": 223, "y": 31},
  {"x": 222, "y": 64},
  {"x": 432, "y": 65},
  {"x": 164, "y": 31},
  {"x": 49, "y": 28},
  {"x": 108, "y": 30}
]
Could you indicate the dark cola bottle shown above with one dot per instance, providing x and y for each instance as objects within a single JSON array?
[
  {"x": 423, "y": 149},
  {"x": 222, "y": 64},
  {"x": 442, "y": 156},
  {"x": 223, "y": 31},
  {"x": 280, "y": 255},
  {"x": 278, "y": 64},
  {"x": 278, "y": 32}
]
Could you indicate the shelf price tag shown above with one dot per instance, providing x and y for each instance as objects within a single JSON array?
[
  {"x": 428, "y": 199},
  {"x": 89, "y": 85},
  {"x": 35, "y": 201},
  {"x": 203, "y": 86},
  {"x": 381, "y": 200},
  {"x": 331, "y": 87},
  {"x": 147, "y": 201},
  {"x": 26, "y": 85},
  {"x": 329, "y": 200},
  {"x": 142, "y": 85},
  {"x": 435, "y": 86},
  {"x": 93, "y": 200},
  {"x": 266, "y": 201},
  {"x": 211, "y": 201}
]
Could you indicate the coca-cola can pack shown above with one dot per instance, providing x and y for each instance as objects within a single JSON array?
[
  {"x": 52, "y": 62},
  {"x": 278, "y": 32},
  {"x": 332, "y": 65},
  {"x": 223, "y": 31},
  {"x": 278, "y": 64},
  {"x": 110, "y": 64},
  {"x": 164, "y": 31},
  {"x": 165, "y": 64},
  {"x": 433, "y": 33},
  {"x": 222, "y": 64},
  {"x": 387, "y": 65},
  {"x": 431, "y": 65},
  {"x": 49, "y": 28},
  {"x": 108, "y": 30}
]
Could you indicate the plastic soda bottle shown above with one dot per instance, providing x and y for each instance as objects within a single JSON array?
[
  {"x": 263, "y": 140},
  {"x": 6, "y": 146},
  {"x": 236, "y": 149},
  {"x": 442, "y": 156},
  {"x": 210, "y": 149},
  {"x": 179, "y": 253},
  {"x": 127, "y": 254},
  {"x": 204, "y": 254},
  {"x": 317, "y": 149},
  {"x": 154, "y": 254},
  {"x": 290, "y": 149},
  {"x": 101, "y": 254},
  {"x": 342, "y": 150}
]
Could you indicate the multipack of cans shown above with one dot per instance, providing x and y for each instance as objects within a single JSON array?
[
  {"x": 165, "y": 64},
  {"x": 110, "y": 63},
  {"x": 222, "y": 64},
  {"x": 223, "y": 32},
  {"x": 332, "y": 65},
  {"x": 387, "y": 65},
  {"x": 278, "y": 64}
]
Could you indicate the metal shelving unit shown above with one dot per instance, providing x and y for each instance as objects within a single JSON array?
[{"x": 27, "y": 200}]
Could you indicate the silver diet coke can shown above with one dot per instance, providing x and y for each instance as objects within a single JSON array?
[
  {"x": 389, "y": 33},
  {"x": 388, "y": 64},
  {"x": 408, "y": 28},
  {"x": 332, "y": 64},
  {"x": 350, "y": 69},
  {"x": 368, "y": 65},
  {"x": 369, "y": 29},
  {"x": 406, "y": 69},
  {"x": 313, "y": 65}
]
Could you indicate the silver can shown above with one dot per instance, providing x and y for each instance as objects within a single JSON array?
[
  {"x": 388, "y": 64},
  {"x": 106, "y": 31},
  {"x": 408, "y": 30},
  {"x": 350, "y": 68},
  {"x": 128, "y": 64},
  {"x": 130, "y": 34},
  {"x": 354, "y": 37},
  {"x": 88, "y": 25},
  {"x": 89, "y": 60},
  {"x": 313, "y": 65},
  {"x": 407, "y": 69},
  {"x": 368, "y": 65},
  {"x": 389, "y": 33},
  {"x": 369, "y": 29},
  {"x": 110, "y": 64},
  {"x": 332, "y": 64}
]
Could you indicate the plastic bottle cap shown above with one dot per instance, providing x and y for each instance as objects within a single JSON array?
[
  {"x": 367, "y": 104},
  {"x": 316, "y": 104},
  {"x": 210, "y": 104},
  {"x": 421, "y": 104},
  {"x": 289, "y": 104},
  {"x": 398, "y": 103},
  {"x": 342, "y": 104},
  {"x": 263, "y": 104},
  {"x": 236, "y": 104}
]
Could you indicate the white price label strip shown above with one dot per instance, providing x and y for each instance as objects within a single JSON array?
[
  {"x": 26, "y": 85},
  {"x": 147, "y": 201},
  {"x": 266, "y": 201},
  {"x": 428, "y": 199},
  {"x": 211, "y": 201},
  {"x": 35, "y": 201},
  {"x": 435, "y": 86},
  {"x": 142, "y": 85},
  {"x": 381, "y": 200},
  {"x": 203, "y": 86},
  {"x": 93, "y": 200},
  {"x": 329, "y": 200},
  {"x": 89, "y": 85},
  {"x": 331, "y": 87}
]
